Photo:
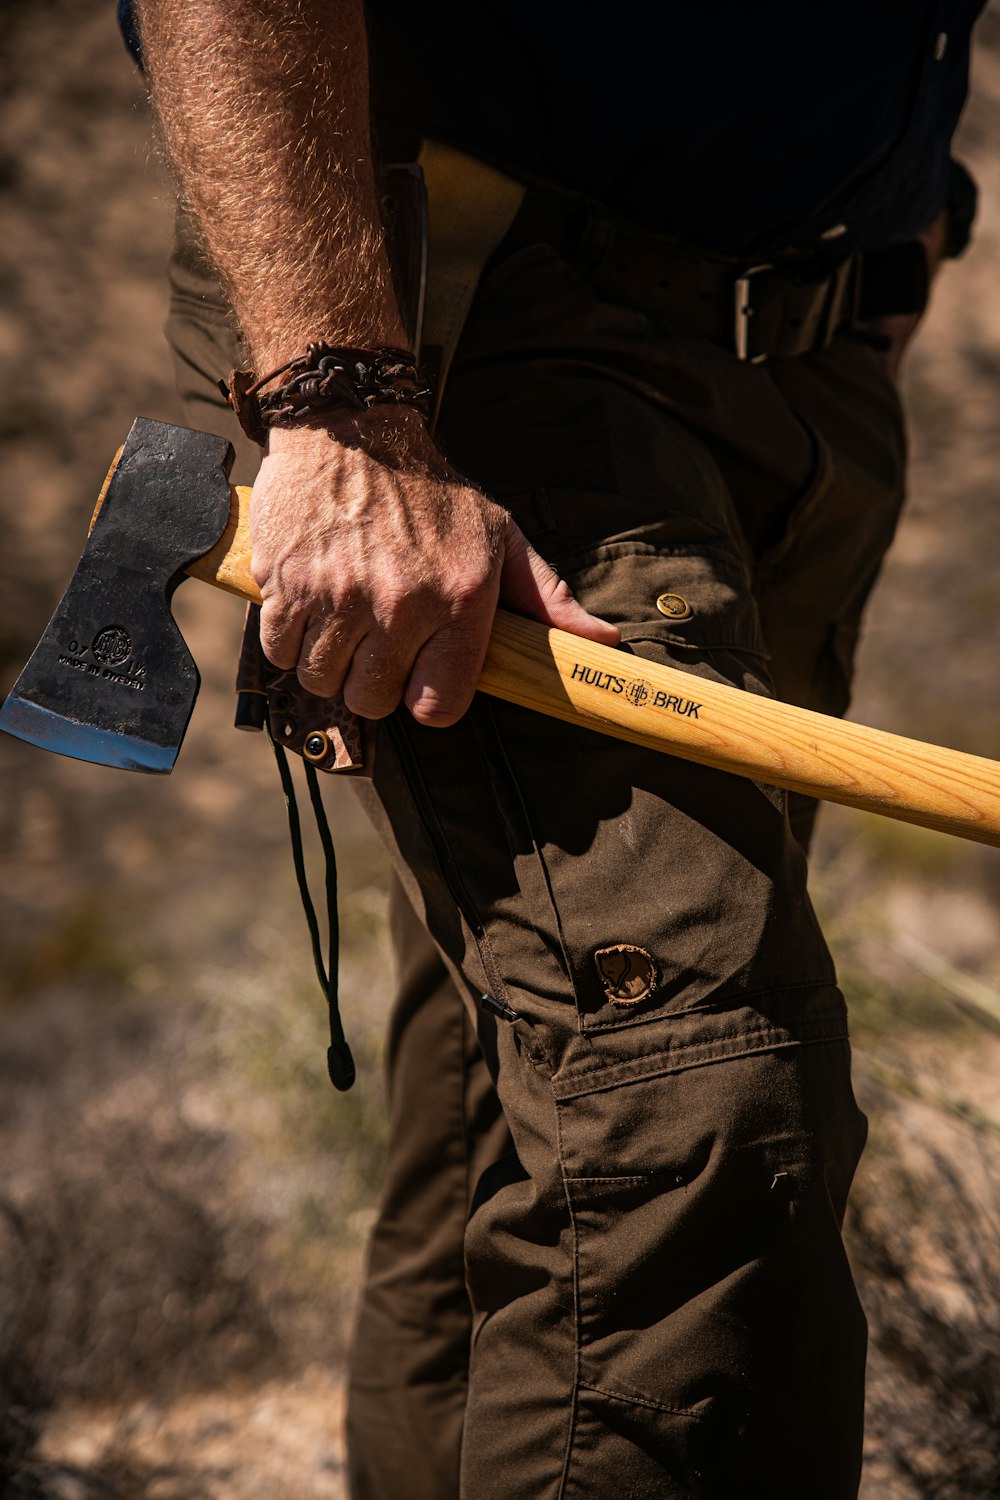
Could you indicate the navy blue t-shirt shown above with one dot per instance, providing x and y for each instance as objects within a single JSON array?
[{"x": 736, "y": 126}]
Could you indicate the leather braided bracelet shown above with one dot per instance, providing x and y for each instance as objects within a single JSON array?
[{"x": 322, "y": 379}]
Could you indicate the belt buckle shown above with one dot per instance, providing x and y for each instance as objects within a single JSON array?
[{"x": 744, "y": 311}]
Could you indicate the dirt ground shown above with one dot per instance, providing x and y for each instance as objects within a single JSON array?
[{"x": 182, "y": 1200}]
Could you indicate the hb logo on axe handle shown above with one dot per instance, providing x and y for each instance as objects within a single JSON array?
[{"x": 112, "y": 681}]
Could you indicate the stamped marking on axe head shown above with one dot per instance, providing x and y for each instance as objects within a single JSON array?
[{"x": 111, "y": 680}]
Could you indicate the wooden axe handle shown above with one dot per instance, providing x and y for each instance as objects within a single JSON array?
[{"x": 665, "y": 709}]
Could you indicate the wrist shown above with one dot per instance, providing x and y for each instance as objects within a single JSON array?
[
  {"x": 395, "y": 436},
  {"x": 324, "y": 379},
  {"x": 351, "y": 429}
]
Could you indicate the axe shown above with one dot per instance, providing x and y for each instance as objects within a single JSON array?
[{"x": 112, "y": 681}]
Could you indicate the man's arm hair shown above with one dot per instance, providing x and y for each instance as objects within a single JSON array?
[
  {"x": 264, "y": 108},
  {"x": 378, "y": 565}
]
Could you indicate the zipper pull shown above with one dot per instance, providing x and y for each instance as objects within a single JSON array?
[{"x": 500, "y": 1008}]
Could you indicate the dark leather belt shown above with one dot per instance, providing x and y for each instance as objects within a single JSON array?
[{"x": 757, "y": 309}]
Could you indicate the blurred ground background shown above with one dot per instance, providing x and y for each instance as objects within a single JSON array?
[{"x": 183, "y": 1199}]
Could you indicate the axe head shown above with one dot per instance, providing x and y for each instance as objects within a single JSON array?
[{"x": 111, "y": 680}]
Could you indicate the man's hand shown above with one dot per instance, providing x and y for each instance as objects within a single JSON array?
[{"x": 380, "y": 567}]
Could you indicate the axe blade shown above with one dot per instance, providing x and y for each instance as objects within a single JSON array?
[{"x": 111, "y": 680}]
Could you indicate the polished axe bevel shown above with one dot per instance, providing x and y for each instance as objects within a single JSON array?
[{"x": 111, "y": 680}]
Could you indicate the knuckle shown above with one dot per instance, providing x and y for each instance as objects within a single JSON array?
[
  {"x": 438, "y": 710},
  {"x": 321, "y": 682},
  {"x": 374, "y": 684},
  {"x": 318, "y": 657},
  {"x": 278, "y": 644},
  {"x": 434, "y": 718},
  {"x": 279, "y": 656},
  {"x": 469, "y": 592},
  {"x": 559, "y": 591},
  {"x": 336, "y": 636},
  {"x": 454, "y": 648},
  {"x": 464, "y": 592},
  {"x": 439, "y": 717},
  {"x": 345, "y": 602},
  {"x": 442, "y": 688},
  {"x": 396, "y": 605},
  {"x": 368, "y": 703}
]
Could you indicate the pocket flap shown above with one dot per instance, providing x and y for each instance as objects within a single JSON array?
[{"x": 667, "y": 593}]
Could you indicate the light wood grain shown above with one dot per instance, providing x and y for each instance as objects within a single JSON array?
[
  {"x": 105, "y": 487},
  {"x": 227, "y": 565},
  {"x": 746, "y": 734},
  {"x": 734, "y": 731}
]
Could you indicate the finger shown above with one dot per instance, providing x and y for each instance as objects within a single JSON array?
[
  {"x": 281, "y": 633},
  {"x": 446, "y": 670},
  {"x": 378, "y": 673},
  {"x": 324, "y": 660},
  {"x": 530, "y": 586}
]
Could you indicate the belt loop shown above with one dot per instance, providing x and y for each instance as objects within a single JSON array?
[{"x": 837, "y": 303}]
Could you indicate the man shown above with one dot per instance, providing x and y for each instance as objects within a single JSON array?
[{"x": 706, "y": 233}]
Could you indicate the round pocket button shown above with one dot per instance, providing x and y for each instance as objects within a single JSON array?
[{"x": 674, "y": 606}]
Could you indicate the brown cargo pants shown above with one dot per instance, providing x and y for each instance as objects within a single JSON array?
[{"x": 608, "y": 1258}]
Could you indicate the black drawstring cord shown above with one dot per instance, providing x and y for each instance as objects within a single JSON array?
[{"x": 339, "y": 1062}]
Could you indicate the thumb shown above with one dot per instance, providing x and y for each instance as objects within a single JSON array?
[{"x": 531, "y": 587}]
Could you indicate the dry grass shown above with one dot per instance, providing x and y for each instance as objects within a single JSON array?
[{"x": 925, "y": 1234}]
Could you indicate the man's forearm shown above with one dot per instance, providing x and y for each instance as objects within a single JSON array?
[
  {"x": 264, "y": 108},
  {"x": 379, "y": 567}
]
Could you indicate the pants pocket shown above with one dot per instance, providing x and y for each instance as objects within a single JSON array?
[
  {"x": 671, "y": 886},
  {"x": 686, "y": 603},
  {"x": 720, "y": 1340}
]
